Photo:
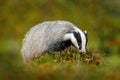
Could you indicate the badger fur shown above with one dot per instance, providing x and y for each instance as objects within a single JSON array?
[{"x": 52, "y": 36}]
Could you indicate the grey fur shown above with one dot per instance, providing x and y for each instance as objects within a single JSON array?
[{"x": 43, "y": 36}]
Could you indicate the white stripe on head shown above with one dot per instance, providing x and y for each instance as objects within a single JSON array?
[
  {"x": 70, "y": 36},
  {"x": 83, "y": 40}
]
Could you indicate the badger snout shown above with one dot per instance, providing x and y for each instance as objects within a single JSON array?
[{"x": 81, "y": 51}]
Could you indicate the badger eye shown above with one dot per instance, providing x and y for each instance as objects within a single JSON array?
[{"x": 79, "y": 44}]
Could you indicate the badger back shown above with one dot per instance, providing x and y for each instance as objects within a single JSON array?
[{"x": 41, "y": 36}]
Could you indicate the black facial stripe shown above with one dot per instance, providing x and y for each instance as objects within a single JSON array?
[
  {"x": 78, "y": 38},
  {"x": 86, "y": 39}
]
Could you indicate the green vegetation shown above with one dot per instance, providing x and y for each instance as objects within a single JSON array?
[
  {"x": 65, "y": 65},
  {"x": 101, "y": 18}
]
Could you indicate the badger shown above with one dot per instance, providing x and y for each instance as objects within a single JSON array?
[{"x": 52, "y": 36}]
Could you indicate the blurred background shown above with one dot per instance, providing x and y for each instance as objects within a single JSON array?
[{"x": 101, "y": 19}]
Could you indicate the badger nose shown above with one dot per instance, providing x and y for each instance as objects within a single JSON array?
[{"x": 81, "y": 51}]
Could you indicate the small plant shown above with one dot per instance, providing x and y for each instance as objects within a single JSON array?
[{"x": 71, "y": 55}]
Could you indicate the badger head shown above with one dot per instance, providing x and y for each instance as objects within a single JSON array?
[
  {"x": 81, "y": 40},
  {"x": 78, "y": 39}
]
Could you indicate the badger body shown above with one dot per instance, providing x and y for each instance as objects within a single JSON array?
[{"x": 49, "y": 36}]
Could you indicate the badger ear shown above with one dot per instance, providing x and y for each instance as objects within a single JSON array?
[{"x": 85, "y": 32}]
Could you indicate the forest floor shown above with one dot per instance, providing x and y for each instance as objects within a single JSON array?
[{"x": 66, "y": 65}]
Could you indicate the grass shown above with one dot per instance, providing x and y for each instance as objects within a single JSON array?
[
  {"x": 70, "y": 56},
  {"x": 65, "y": 65}
]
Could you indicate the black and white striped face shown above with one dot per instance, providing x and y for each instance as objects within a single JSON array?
[
  {"x": 78, "y": 39},
  {"x": 81, "y": 40}
]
